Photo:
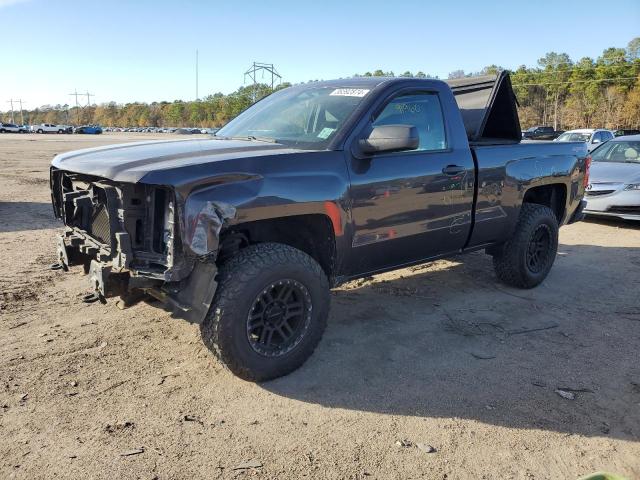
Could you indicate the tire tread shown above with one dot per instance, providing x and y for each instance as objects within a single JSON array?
[
  {"x": 506, "y": 262},
  {"x": 233, "y": 277}
]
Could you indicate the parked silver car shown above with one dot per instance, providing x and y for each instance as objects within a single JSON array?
[{"x": 614, "y": 188}]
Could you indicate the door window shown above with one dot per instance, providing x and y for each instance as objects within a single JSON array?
[{"x": 421, "y": 110}]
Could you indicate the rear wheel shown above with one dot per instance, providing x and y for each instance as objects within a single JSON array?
[
  {"x": 525, "y": 260},
  {"x": 269, "y": 312}
]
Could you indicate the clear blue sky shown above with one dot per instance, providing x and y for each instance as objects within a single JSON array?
[{"x": 144, "y": 50}]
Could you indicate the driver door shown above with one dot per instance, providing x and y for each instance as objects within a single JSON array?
[{"x": 411, "y": 205}]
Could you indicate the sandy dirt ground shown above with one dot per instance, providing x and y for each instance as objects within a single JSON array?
[{"x": 439, "y": 355}]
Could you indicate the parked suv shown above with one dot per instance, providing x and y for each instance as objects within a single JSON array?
[
  {"x": 9, "y": 128},
  {"x": 591, "y": 136},
  {"x": 540, "y": 133}
]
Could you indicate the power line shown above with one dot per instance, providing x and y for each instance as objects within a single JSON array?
[
  {"x": 593, "y": 69},
  {"x": 575, "y": 81}
]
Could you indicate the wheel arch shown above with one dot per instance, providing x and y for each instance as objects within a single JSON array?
[
  {"x": 552, "y": 195},
  {"x": 313, "y": 234}
]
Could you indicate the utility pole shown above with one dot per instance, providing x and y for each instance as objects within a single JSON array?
[
  {"x": 196, "y": 75},
  {"x": 21, "y": 112},
  {"x": 11, "y": 102},
  {"x": 75, "y": 94},
  {"x": 261, "y": 67}
]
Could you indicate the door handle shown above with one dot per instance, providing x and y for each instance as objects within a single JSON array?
[{"x": 453, "y": 170}]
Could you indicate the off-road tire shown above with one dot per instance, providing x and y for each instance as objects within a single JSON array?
[
  {"x": 241, "y": 280},
  {"x": 511, "y": 260}
]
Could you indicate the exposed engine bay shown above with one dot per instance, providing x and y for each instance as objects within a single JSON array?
[{"x": 124, "y": 235}]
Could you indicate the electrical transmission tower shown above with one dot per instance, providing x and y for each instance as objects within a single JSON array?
[
  {"x": 19, "y": 100},
  {"x": 263, "y": 68},
  {"x": 88, "y": 98},
  {"x": 78, "y": 106}
]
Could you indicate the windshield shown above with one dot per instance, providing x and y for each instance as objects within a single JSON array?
[
  {"x": 625, "y": 152},
  {"x": 573, "y": 137},
  {"x": 299, "y": 118}
]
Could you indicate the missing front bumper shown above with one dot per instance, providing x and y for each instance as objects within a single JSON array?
[{"x": 189, "y": 299}]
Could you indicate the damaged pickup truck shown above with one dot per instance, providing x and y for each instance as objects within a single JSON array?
[{"x": 246, "y": 232}]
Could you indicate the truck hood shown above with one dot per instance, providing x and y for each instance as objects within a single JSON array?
[
  {"x": 130, "y": 162},
  {"x": 614, "y": 172}
]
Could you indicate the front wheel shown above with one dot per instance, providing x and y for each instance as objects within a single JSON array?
[
  {"x": 40, "y": 131},
  {"x": 269, "y": 312},
  {"x": 525, "y": 260}
]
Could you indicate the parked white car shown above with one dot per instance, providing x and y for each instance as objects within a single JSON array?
[
  {"x": 49, "y": 128},
  {"x": 591, "y": 136}
]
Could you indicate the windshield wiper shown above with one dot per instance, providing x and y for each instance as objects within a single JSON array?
[{"x": 257, "y": 139}]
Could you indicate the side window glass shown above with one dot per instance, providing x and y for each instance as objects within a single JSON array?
[{"x": 421, "y": 110}]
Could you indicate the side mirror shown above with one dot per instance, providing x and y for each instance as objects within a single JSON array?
[
  {"x": 390, "y": 138},
  {"x": 596, "y": 140}
]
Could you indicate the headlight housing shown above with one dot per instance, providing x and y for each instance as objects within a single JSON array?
[{"x": 632, "y": 186}]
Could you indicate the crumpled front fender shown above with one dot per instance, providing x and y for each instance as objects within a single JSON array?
[
  {"x": 207, "y": 209},
  {"x": 203, "y": 222}
]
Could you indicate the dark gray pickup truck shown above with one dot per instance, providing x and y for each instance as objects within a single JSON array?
[{"x": 246, "y": 232}]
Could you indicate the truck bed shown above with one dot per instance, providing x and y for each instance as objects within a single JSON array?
[{"x": 498, "y": 194}]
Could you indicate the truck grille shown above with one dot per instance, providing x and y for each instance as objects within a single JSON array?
[
  {"x": 100, "y": 227},
  {"x": 105, "y": 218}
]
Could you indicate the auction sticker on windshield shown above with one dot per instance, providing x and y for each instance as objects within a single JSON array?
[
  {"x": 325, "y": 132},
  {"x": 350, "y": 92}
]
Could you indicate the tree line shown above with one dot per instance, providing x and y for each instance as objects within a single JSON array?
[
  {"x": 602, "y": 92},
  {"x": 587, "y": 93}
]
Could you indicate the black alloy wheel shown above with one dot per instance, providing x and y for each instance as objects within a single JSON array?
[
  {"x": 538, "y": 251},
  {"x": 525, "y": 260},
  {"x": 279, "y": 318},
  {"x": 269, "y": 311}
]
